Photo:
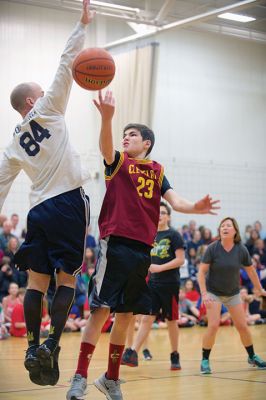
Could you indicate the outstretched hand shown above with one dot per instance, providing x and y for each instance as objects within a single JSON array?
[
  {"x": 87, "y": 15},
  {"x": 106, "y": 105},
  {"x": 207, "y": 206}
]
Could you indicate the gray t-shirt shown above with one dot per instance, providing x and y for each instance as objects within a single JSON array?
[{"x": 223, "y": 278}]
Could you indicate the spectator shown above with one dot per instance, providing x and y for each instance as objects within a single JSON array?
[
  {"x": 7, "y": 276},
  {"x": 21, "y": 277},
  {"x": 261, "y": 232},
  {"x": 191, "y": 293},
  {"x": 90, "y": 239},
  {"x": 250, "y": 243},
  {"x": 3, "y": 218},
  {"x": 3, "y": 329},
  {"x": 9, "y": 302},
  {"x": 247, "y": 299},
  {"x": 18, "y": 325},
  {"x": 16, "y": 230},
  {"x": 247, "y": 232},
  {"x": 196, "y": 241},
  {"x": 260, "y": 249},
  {"x": 6, "y": 235},
  {"x": 188, "y": 313},
  {"x": 186, "y": 234},
  {"x": 88, "y": 265},
  {"x": 192, "y": 227},
  {"x": 206, "y": 236}
]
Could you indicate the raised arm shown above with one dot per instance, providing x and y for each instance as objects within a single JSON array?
[
  {"x": 57, "y": 96},
  {"x": 206, "y": 205},
  {"x": 106, "y": 107}
]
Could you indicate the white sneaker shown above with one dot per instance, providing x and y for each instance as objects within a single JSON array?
[
  {"x": 110, "y": 388},
  {"x": 78, "y": 388}
]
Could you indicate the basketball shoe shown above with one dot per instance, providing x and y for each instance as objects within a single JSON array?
[
  {"x": 110, "y": 388},
  {"x": 78, "y": 388}
]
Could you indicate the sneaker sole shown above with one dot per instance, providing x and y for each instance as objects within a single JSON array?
[
  {"x": 102, "y": 389},
  {"x": 205, "y": 372},
  {"x": 175, "y": 368},
  {"x": 49, "y": 374},
  {"x": 129, "y": 365}
]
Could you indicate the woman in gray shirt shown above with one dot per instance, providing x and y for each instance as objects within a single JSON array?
[{"x": 219, "y": 281}]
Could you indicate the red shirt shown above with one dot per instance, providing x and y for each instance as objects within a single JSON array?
[
  {"x": 131, "y": 204},
  {"x": 17, "y": 316}
]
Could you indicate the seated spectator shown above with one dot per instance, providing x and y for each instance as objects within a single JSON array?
[
  {"x": 247, "y": 299},
  {"x": 191, "y": 293},
  {"x": 206, "y": 236},
  {"x": 6, "y": 235},
  {"x": 188, "y": 313},
  {"x": 3, "y": 218},
  {"x": 260, "y": 249},
  {"x": 16, "y": 230},
  {"x": 7, "y": 275},
  {"x": 88, "y": 266},
  {"x": 195, "y": 242},
  {"x": 21, "y": 276},
  {"x": 247, "y": 232},
  {"x": 244, "y": 278},
  {"x": 258, "y": 227},
  {"x": 9, "y": 302},
  {"x": 90, "y": 239},
  {"x": 186, "y": 234},
  {"x": 192, "y": 227},
  {"x": 4, "y": 334},
  {"x": 18, "y": 325},
  {"x": 250, "y": 243}
]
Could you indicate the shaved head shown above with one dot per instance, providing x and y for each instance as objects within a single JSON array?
[{"x": 22, "y": 93}]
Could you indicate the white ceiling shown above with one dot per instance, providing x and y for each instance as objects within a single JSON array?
[{"x": 201, "y": 14}]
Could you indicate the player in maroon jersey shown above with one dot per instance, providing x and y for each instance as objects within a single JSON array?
[{"x": 128, "y": 224}]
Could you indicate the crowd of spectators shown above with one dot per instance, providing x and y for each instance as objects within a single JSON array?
[{"x": 191, "y": 310}]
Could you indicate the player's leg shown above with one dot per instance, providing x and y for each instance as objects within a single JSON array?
[
  {"x": 90, "y": 337},
  {"x": 213, "y": 315},
  {"x": 173, "y": 332},
  {"x": 109, "y": 382},
  {"x": 130, "y": 358},
  {"x": 239, "y": 319},
  {"x": 37, "y": 287}
]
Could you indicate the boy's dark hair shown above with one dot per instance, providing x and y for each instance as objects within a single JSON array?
[
  {"x": 168, "y": 209},
  {"x": 146, "y": 133}
]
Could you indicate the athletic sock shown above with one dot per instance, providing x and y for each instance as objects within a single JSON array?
[
  {"x": 114, "y": 361},
  {"x": 85, "y": 355},
  {"x": 60, "y": 308},
  {"x": 250, "y": 351},
  {"x": 33, "y": 315},
  {"x": 206, "y": 354}
]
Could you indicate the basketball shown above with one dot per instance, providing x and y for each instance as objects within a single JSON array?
[{"x": 93, "y": 69}]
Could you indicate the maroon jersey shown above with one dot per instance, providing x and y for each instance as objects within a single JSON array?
[{"x": 131, "y": 204}]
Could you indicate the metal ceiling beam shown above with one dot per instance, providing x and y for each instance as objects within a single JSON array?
[
  {"x": 187, "y": 21},
  {"x": 168, "y": 4}
]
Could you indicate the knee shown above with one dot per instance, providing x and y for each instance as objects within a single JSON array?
[{"x": 213, "y": 327}]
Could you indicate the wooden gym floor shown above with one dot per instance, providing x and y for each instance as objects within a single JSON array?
[{"x": 232, "y": 378}]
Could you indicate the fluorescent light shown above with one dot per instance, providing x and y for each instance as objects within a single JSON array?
[
  {"x": 113, "y": 6},
  {"x": 236, "y": 17}
]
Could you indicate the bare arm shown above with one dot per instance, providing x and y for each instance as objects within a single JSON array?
[
  {"x": 255, "y": 280},
  {"x": 203, "y": 270},
  {"x": 203, "y": 206},
  {"x": 175, "y": 263},
  {"x": 106, "y": 107}
]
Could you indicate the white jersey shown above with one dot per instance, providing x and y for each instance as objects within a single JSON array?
[{"x": 40, "y": 144}]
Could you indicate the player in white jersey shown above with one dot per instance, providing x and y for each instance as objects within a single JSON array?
[{"x": 59, "y": 214}]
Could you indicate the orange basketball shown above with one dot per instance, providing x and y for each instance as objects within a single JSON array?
[{"x": 93, "y": 69}]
